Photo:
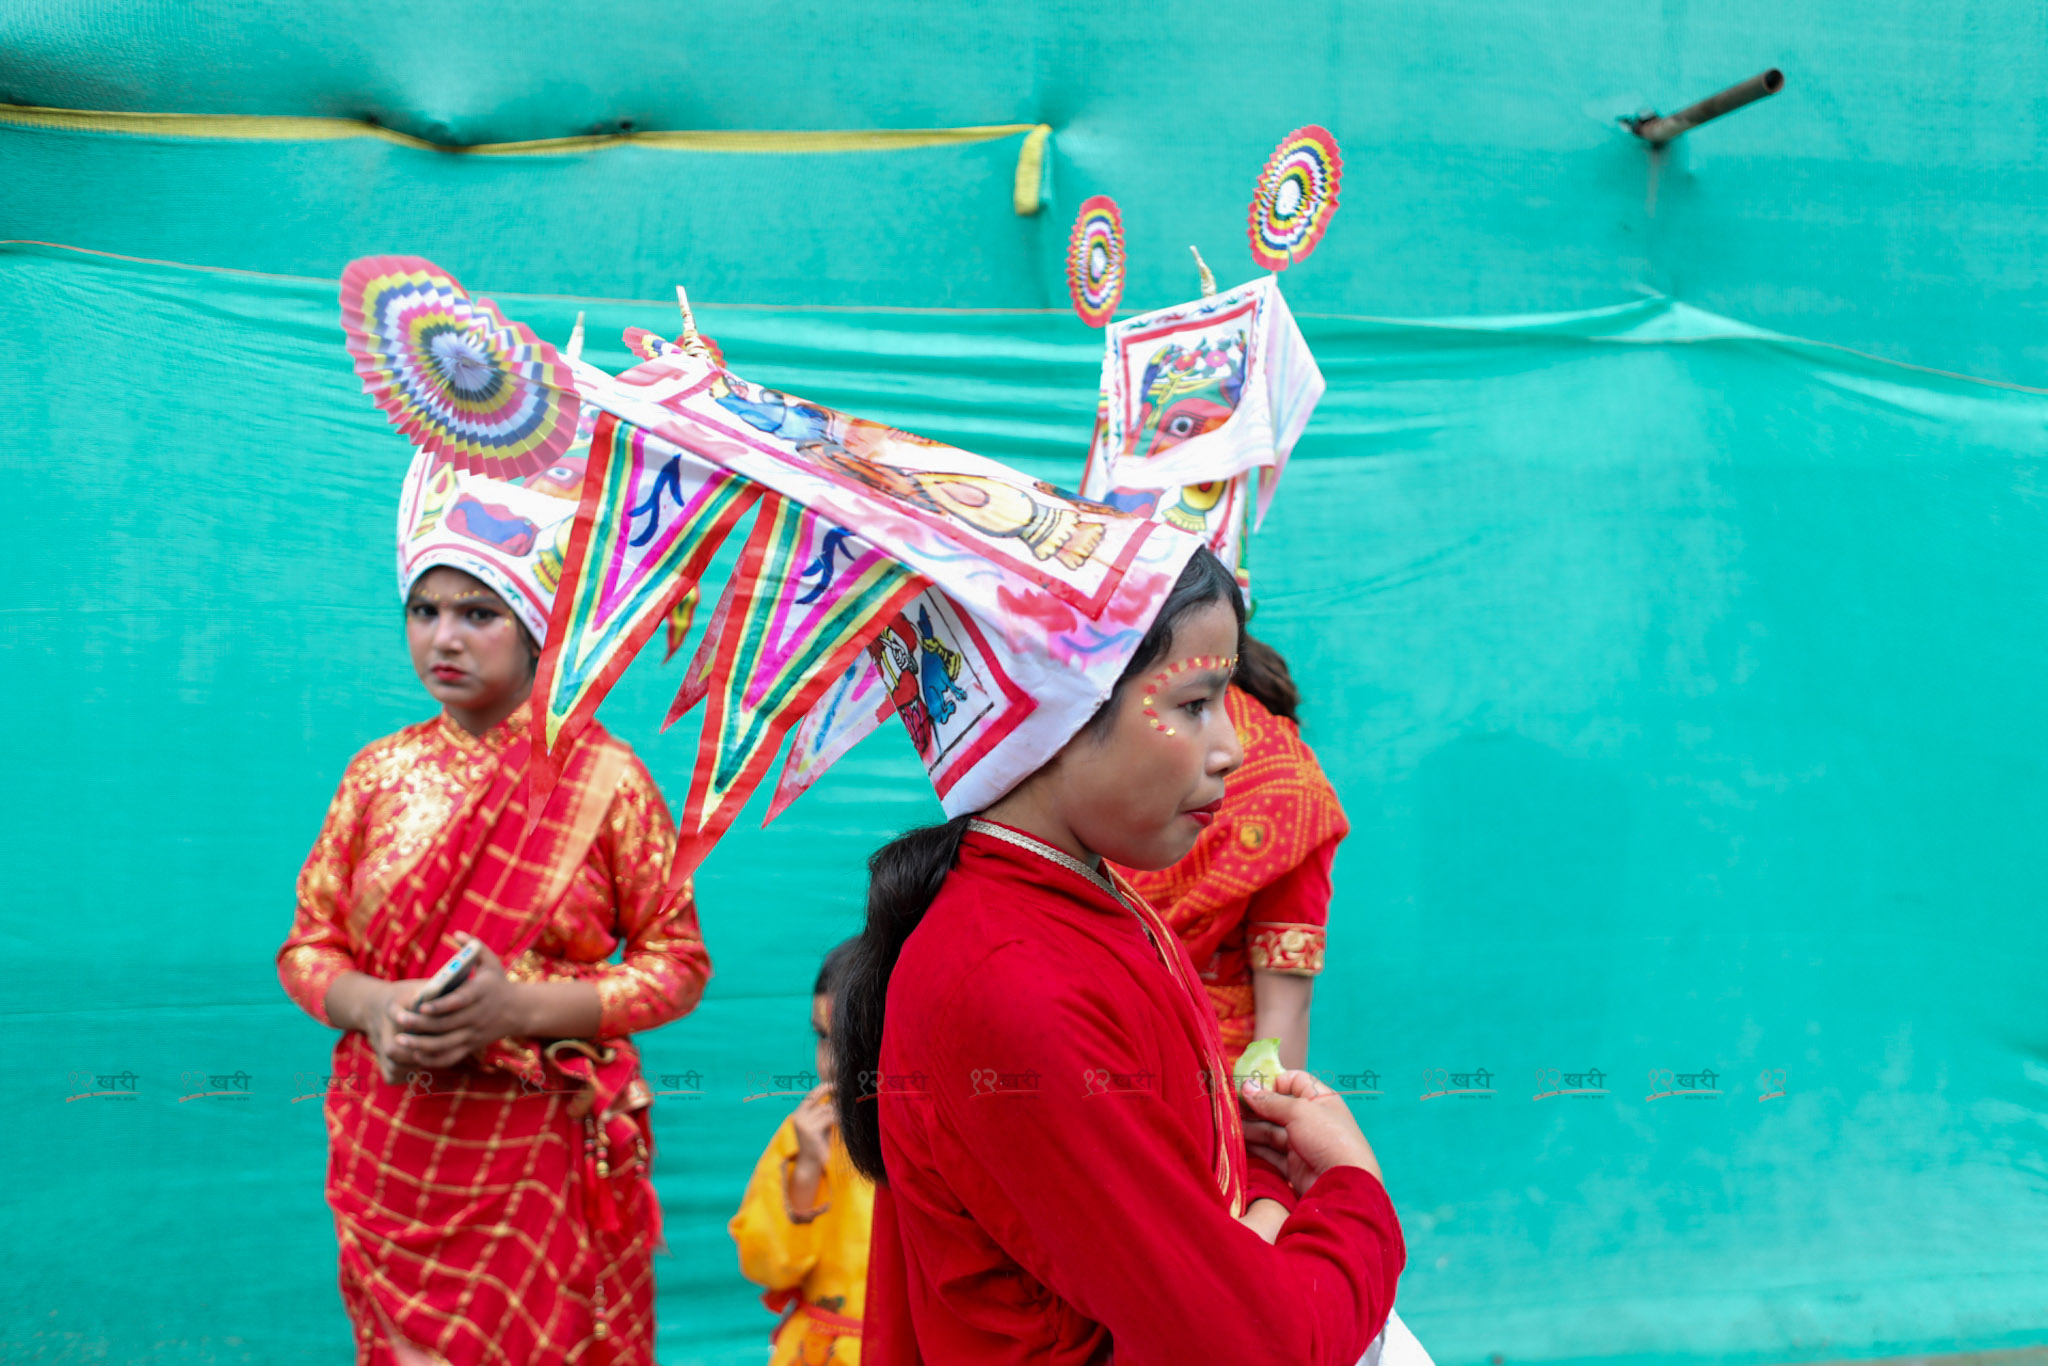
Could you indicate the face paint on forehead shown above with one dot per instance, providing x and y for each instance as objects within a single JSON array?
[
  {"x": 454, "y": 599},
  {"x": 1159, "y": 681}
]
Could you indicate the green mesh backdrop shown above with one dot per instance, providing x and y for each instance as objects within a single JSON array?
[{"x": 1682, "y": 680}]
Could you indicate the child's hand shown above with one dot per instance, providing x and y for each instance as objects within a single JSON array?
[
  {"x": 483, "y": 1010},
  {"x": 1305, "y": 1128},
  {"x": 814, "y": 1122}
]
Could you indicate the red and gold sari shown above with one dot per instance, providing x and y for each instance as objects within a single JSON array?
[
  {"x": 1254, "y": 892},
  {"x": 498, "y": 1212}
]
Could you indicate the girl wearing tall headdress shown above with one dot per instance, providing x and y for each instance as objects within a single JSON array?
[
  {"x": 1063, "y": 1171},
  {"x": 489, "y": 1149}
]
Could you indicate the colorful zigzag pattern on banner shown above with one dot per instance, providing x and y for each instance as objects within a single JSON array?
[
  {"x": 650, "y": 518},
  {"x": 805, "y": 601}
]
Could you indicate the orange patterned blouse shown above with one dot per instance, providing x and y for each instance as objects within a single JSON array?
[
  {"x": 1254, "y": 892},
  {"x": 395, "y": 797}
]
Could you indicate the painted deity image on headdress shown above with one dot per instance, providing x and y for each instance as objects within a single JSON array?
[
  {"x": 921, "y": 674},
  {"x": 798, "y": 421},
  {"x": 873, "y": 453},
  {"x": 1188, "y": 389},
  {"x": 945, "y": 684},
  {"x": 1200, "y": 406}
]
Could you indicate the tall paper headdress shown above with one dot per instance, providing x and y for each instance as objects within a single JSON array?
[
  {"x": 500, "y": 448},
  {"x": 510, "y": 533},
  {"x": 883, "y": 572},
  {"x": 1198, "y": 401}
]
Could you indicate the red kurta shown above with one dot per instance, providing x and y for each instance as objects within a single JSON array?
[{"x": 1054, "y": 1154}]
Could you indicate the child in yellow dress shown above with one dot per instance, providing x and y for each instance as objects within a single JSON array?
[{"x": 802, "y": 1229}]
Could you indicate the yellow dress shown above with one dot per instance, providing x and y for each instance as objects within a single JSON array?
[{"x": 817, "y": 1269}]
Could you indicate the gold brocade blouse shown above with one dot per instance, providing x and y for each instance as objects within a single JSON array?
[{"x": 394, "y": 798}]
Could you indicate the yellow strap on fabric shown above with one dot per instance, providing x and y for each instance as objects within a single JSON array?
[
  {"x": 297, "y": 128},
  {"x": 1031, "y": 169}
]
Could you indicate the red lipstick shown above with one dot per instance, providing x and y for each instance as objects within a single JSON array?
[
  {"x": 447, "y": 673},
  {"x": 1205, "y": 814}
]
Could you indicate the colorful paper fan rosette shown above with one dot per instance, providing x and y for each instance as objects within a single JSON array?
[
  {"x": 1296, "y": 197},
  {"x": 1095, "y": 260},
  {"x": 452, "y": 372}
]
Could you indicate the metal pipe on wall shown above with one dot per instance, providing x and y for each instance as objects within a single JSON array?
[{"x": 1658, "y": 129}]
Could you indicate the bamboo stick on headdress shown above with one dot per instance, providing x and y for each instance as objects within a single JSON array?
[{"x": 690, "y": 341}]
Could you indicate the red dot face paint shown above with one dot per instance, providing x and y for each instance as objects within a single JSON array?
[{"x": 1160, "y": 681}]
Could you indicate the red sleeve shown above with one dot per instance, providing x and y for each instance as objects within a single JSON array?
[
  {"x": 1264, "y": 1181},
  {"x": 1118, "y": 1208},
  {"x": 662, "y": 964},
  {"x": 1284, "y": 922},
  {"x": 318, "y": 949}
]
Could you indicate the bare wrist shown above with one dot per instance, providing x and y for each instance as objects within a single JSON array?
[
  {"x": 521, "y": 1013},
  {"x": 803, "y": 1192},
  {"x": 354, "y": 1001}
]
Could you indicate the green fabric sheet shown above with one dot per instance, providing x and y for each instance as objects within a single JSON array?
[
  {"x": 1889, "y": 199},
  {"x": 1682, "y": 683},
  {"x": 1682, "y": 680}
]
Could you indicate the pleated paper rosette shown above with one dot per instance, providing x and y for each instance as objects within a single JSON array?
[
  {"x": 1296, "y": 197},
  {"x": 453, "y": 373},
  {"x": 1095, "y": 260}
]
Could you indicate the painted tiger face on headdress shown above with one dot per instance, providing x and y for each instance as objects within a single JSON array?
[
  {"x": 1187, "y": 391},
  {"x": 1200, "y": 406}
]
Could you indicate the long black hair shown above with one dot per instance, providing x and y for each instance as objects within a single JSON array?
[
  {"x": 832, "y": 971},
  {"x": 1264, "y": 674},
  {"x": 904, "y": 877}
]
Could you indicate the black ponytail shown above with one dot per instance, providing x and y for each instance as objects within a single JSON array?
[
  {"x": 1265, "y": 675},
  {"x": 904, "y": 876}
]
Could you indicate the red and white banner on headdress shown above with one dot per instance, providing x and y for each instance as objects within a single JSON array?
[
  {"x": 991, "y": 612},
  {"x": 1037, "y": 600},
  {"x": 1201, "y": 404}
]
